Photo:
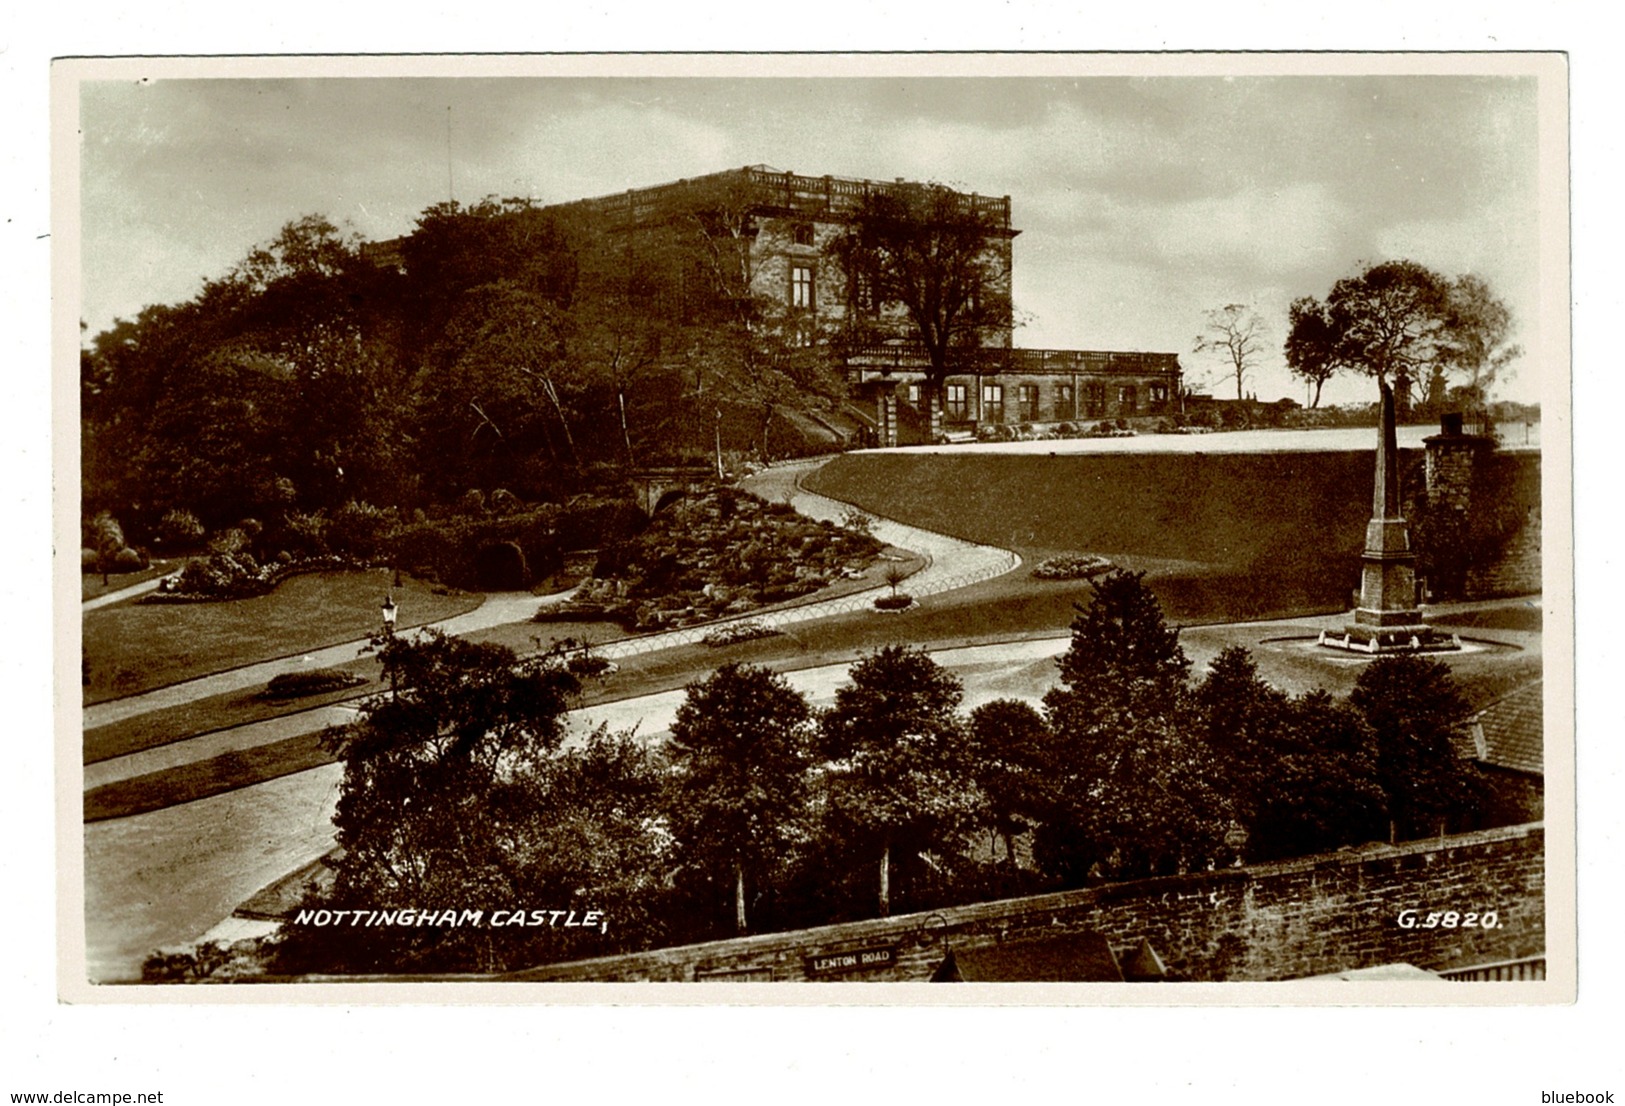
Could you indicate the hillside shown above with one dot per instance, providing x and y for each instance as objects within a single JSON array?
[{"x": 1272, "y": 526}]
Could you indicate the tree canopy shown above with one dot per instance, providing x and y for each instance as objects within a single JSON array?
[
  {"x": 458, "y": 795},
  {"x": 1403, "y": 324},
  {"x": 897, "y": 750},
  {"x": 929, "y": 250},
  {"x": 742, "y": 743}
]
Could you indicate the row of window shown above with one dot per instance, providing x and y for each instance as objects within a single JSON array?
[{"x": 956, "y": 401}]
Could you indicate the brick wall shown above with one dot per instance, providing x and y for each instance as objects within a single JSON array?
[{"x": 1278, "y": 921}]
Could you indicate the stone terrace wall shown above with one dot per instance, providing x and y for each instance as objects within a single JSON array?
[
  {"x": 1287, "y": 920},
  {"x": 1480, "y": 519}
]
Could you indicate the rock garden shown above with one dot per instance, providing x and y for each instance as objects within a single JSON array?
[{"x": 721, "y": 553}]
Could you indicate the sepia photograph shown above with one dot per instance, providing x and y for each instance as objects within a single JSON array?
[{"x": 1096, "y": 527}]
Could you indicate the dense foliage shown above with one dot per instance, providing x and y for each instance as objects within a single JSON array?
[
  {"x": 1407, "y": 326},
  {"x": 721, "y": 552},
  {"x": 464, "y": 790},
  {"x": 501, "y": 344}
]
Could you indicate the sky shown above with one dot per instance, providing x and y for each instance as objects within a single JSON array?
[{"x": 1143, "y": 202}]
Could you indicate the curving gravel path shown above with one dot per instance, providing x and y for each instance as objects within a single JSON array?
[{"x": 952, "y": 562}]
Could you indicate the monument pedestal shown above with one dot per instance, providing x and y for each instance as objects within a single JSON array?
[{"x": 1388, "y": 618}]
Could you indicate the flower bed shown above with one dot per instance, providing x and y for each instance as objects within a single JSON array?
[
  {"x": 736, "y": 632},
  {"x": 902, "y": 601},
  {"x": 719, "y": 554},
  {"x": 1071, "y": 566},
  {"x": 315, "y": 681}
]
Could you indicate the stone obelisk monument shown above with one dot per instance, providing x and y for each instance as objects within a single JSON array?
[{"x": 1388, "y": 619}]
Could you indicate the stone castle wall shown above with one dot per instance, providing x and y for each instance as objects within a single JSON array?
[
  {"x": 1286, "y": 920},
  {"x": 1477, "y": 519}
]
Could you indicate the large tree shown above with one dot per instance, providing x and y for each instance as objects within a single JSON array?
[
  {"x": 457, "y": 796},
  {"x": 741, "y": 743},
  {"x": 896, "y": 747},
  {"x": 1418, "y": 715},
  {"x": 1312, "y": 352},
  {"x": 930, "y": 250},
  {"x": 1301, "y": 773},
  {"x": 1009, "y": 745},
  {"x": 744, "y": 345},
  {"x": 1390, "y": 322},
  {"x": 1478, "y": 346},
  {"x": 1134, "y": 786},
  {"x": 1237, "y": 335}
]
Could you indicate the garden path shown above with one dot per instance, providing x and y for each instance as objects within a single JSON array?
[
  {"x": 121, "y": 594},
  {"x": 497, "y": 610}
]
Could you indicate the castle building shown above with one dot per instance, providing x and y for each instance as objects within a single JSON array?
[
  {"x": 785, "y": 229},
  {"x": 791, "y": 222}
]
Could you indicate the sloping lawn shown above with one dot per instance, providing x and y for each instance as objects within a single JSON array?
[
  {"x": 1239, "y": 533},
  {"x": 134, "y": 647}
]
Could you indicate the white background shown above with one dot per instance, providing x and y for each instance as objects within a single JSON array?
[{"x": 252, "y": 1054}]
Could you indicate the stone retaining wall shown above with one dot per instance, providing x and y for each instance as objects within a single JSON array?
[{"x": 1315, "y": 915}]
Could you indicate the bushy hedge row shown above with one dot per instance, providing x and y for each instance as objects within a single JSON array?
[{"x": 237, "y": 575}]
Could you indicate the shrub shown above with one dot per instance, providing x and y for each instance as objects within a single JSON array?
[
  {"x": 458, "y": 550},
  {"x": 900, "y": 601},
  {"x": 1066, "y": 430},
  {"x": 104, "y": 534},
  {"x": 315, "y": 681},
  {"x": 504, "y": 502},
  {"x": 128, "y": 560},
  {"x": 222, "y": 576},
  {"x": 360, "y": 529},
  {"x": 857, "y": 521},
  {"x": 180, "y": 528},
  {"x": 472, "y": 502},
  {"x": 585, "y": 664},
  {"x": 305, "y": 533},
  {"x": 230, "y": 540}
]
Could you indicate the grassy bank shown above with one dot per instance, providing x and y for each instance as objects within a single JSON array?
[
  {"x": 1222, "y": 535},
  {"x": 134, "y": 647}
]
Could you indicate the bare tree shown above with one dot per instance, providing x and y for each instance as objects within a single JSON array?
[{"x": 1237, "y": 333}]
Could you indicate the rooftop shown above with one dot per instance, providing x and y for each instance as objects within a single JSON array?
[
  {"x": 771, "y": 188},
  {"x": 1510, "y": 732}
]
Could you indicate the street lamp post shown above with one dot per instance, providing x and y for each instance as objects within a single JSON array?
[{"x": 389, "y": 611}]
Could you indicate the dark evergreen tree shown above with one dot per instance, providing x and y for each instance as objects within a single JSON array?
[
  {"x": 1009, "y": 743},
  {"x": 1134, "y": 786},
  {"x": 897, "y": 782},
  {"x": 1418, "y": 715},
  {"x": 741, "y": 744},
  {"x": 457, "y": 796}
]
